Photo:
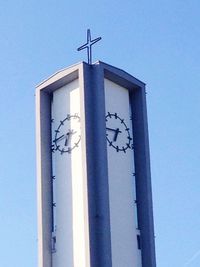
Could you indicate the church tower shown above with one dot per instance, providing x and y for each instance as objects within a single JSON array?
[{"x": 93, "y": 169}]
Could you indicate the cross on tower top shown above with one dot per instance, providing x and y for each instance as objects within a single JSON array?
[{"x": 89, "y": 45}]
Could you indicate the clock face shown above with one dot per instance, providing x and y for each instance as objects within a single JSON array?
[
  {"x": 117, "y": 133},
  {"x": 67, "y": 135}
]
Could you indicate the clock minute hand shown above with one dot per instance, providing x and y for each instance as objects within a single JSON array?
[
  {"x": 68, "y": 136},
  {"x": 117, "y": 131},
  {"x": 59, "y": 138}
]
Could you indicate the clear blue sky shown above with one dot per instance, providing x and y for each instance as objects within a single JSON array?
[{"x": 156, "y": 41}]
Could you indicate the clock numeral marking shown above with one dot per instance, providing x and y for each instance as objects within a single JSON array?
[
  {"x": 109, "y": 115},
  {"x": 57, "y": 147},
  {"x": 69, "y": 150},
  {"x": 54, "y": 204},
  {"x": 124, "y": 149},
  {"x": 76, "y": 144},
  {"x": 76, "y": 116},
  {"x": 110, "y": 143},
  {"x": 52, "y": 148},
  {"x": 62, "y": 151},
  {"x": 128, "y": 145}
]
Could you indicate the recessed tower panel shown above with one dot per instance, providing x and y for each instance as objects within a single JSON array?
[
  {"x": 121, "y": 170},
  {"x": 70, "y": 214}
]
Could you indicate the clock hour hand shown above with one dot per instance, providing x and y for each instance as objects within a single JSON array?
[
  {"x": 59, "y": 138},
  {"x": 110, "y": 129}
]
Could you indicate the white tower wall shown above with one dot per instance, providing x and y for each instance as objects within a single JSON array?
[
  {"x": 71, "y": 227},
  {"x": 123, "y": 217}
]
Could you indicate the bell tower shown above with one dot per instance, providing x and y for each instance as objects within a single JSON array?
[{"x": 93, "y": 169}]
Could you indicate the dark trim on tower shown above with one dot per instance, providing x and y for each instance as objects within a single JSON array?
[{"x": 97, "y": 172}]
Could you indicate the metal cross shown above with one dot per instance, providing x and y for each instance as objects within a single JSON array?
[{"x": 89, "y": 45}]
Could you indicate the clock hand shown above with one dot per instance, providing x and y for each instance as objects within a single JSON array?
[
  {"x": 59, "y": 138},
  {"x": 110, "y": 129},
  {"x": 117, "y": 131},
  {"x": 68, "y": 136}
]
